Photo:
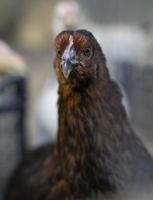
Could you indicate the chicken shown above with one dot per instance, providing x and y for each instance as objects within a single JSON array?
[
  {"x": 126, "y": 49},
  {"x": 97, "y": 155}
]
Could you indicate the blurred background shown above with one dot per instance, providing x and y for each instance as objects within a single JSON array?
[{"x": 28, "y": 87}]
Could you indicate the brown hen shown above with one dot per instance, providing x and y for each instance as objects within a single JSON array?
[{"x": 97, "y": 155}]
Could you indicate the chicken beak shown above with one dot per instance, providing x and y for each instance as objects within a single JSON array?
[
  {"x": 67, "y": 68},
  {"x": 68, "y": 60}
]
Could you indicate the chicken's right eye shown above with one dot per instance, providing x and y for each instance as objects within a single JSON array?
[{"x": 58, "y": 53}]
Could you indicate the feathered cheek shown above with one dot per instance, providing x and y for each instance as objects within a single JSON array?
[
  {"x": 84, "y": 71},
  {"x": 81, "y": 67}
]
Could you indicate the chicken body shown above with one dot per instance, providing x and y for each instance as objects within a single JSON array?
[{"x": 97, "y": 155}]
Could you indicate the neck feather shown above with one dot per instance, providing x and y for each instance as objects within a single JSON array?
[{"x": 77, "y": 146}]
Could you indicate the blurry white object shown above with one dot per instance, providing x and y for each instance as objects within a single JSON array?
[
  {"x": 10, "y": 61},
  {"x": 122, "y": 42},
  {"x": 46, "y": 112},
  {"x": 66, "y": 16}
]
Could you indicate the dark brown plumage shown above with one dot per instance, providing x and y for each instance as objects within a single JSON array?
[{"x": 97, "y": 155}]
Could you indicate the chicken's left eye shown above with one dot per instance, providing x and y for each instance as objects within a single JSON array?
[{"x": 87, "y": 53}]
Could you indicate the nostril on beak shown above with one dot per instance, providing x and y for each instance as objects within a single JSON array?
[{"x": 72, "y": 54}]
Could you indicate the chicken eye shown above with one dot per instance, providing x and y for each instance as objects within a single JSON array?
[
  {"x": 87, "y": 53},
  {"x": 58, "y": 53}
]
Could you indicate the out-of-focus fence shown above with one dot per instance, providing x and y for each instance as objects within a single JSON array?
[
  {"x": 12, "y": 129},
  {"x": 140, "y": 88},
  {"x": 138, "y": 84}
]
